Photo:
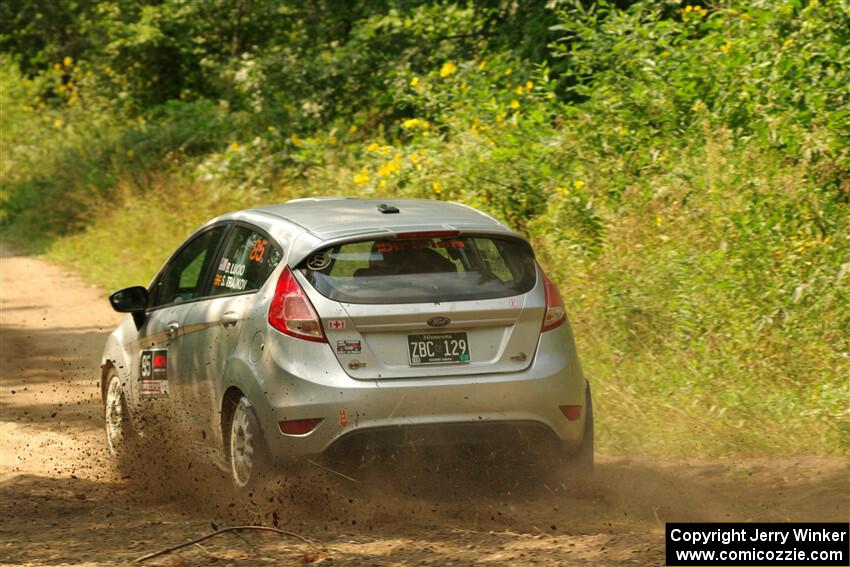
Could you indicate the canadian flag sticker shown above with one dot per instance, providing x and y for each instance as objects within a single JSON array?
[{"x": 336, "y": 324}]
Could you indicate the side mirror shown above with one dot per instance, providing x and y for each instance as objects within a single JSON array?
[{"x": 130, "y": 300}]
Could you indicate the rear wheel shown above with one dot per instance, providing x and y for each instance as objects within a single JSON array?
[
  {"x": 580, "y": 463},
  {"x": 246, "y": 446}
]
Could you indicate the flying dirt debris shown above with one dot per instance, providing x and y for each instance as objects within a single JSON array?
[{"x": 62, "y": 501}]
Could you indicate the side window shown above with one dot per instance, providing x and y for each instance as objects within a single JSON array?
[
  {"x": 182, "y": 279},
  {"x": 246, "y": 261}
]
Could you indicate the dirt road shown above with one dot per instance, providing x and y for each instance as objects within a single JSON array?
[{"x": 61, "y": 501}]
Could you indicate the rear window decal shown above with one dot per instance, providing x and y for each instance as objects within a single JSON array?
[
  {"x": 319, "y": 261},
  {"x": 153, "y": 372},
  {"x": 385, "y": 247}
]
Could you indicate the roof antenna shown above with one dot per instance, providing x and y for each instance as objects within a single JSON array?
[{"x": 387, "y": 209}]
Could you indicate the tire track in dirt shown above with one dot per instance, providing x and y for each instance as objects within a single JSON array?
[{"x": 62, "y": 502}]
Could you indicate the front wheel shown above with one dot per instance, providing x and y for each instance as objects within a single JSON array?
[
  {"x": 246, "y": 446},
  {"x": 120, "y": 436}
]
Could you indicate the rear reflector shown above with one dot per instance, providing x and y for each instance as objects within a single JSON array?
[
  {"x": 428, "y": 234},
  {"x": 291, "y": 312},
  {"x": 571, "y": 412},
  {"x": 298, "y": 426}
]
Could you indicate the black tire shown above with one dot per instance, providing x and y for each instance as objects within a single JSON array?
[
  {"x": 122, "y": 441},
  {"x": 245, "y": 447},
  {"x": 582, "y": 460}
]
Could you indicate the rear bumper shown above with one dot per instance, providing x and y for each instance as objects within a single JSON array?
[{"x": 521, "y": 407}]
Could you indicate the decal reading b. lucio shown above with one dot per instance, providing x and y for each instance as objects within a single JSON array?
[{"x": 153, "y": 372}]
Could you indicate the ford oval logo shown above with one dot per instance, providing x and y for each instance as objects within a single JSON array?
[{"x": 438, "y": 321}]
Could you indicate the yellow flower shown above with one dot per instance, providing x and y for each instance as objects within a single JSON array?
[
  {"x": 578, "y": 184},
  {"x": 698, "y": 10},
  {"x": 500, "y": 117},
  {"x": 463, "y": 86},
  {"x": 447, "y": 69},
  {"x": 414, "y": 157},
  {"x": 788, "y": 42},
  {"x": 413, "y": 123},
  {"x": 352, "y": 129},
  {"x": 296, "y": 141},
  {"x": 515, "y": 104},
  {"x": 698, "y": 105},
  {"x": 528, "y": 86},
  {"x": 373, "y": 147},
  {"x": 388, "y": 168},
  {"x": 414, "y": 82},
  {"x": 437, "y": 187},
  {"x": 57, "y": 123},
  {"x": 482, "y": 65},
  {"x": 271, "y": 129},
  {"x": 362, "y": 177},
  {"x": 726, "y": 47},
  {"x": 508, "y": 71},
  {"x": 57, "y": 66},
  {"x": 519, "y": 90},
  {"x": 659, "y": 220},
  {"x": 233, "y": 147},
  {"x": 67, "y": 62}
]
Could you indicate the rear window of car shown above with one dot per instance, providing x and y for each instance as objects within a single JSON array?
[{"x": 422, "y": 270}]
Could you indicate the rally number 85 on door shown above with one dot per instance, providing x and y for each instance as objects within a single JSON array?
[{"x": 288, "y": 331}]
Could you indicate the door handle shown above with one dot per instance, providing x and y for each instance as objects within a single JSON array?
[
  {"x": 229, "y": 319},
  {"x": 171, "y": 328}
]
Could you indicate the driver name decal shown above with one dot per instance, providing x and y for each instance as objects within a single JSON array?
[{"x": 153, "y": 372}]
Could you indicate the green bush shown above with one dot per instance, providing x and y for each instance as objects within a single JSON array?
[{"x": 682, "y": 170}]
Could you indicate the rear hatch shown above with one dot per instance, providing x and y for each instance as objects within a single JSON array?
[{"x": 427, "y": 304}]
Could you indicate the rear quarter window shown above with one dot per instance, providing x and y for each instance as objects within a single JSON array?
[
  {"x": 247, "y": 259},
  {"x": 422, "y": 270}
]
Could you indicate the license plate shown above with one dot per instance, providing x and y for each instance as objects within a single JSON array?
[{"x": 439, "y": 347}]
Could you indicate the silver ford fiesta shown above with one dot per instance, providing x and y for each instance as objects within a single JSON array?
[{"x": 333, "y": 324}]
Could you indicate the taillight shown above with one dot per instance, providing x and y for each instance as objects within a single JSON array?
[
  {"x": 555, "y": 312},
  {"x": 291, "y": 312}
]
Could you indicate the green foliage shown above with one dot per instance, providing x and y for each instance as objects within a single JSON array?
[{"x": 683, "y": 170}]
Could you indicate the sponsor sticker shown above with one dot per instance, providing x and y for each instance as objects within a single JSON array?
[
  {"x": 348, "y": 347},
  {"x": 153, "y": 372},
  {"x": 336, "y": 324},
  {"x": 343, "y": 418}
]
